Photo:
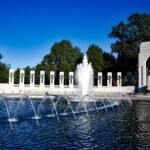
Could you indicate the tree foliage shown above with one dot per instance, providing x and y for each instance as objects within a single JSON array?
[
  {"x": 95, "y": 56},
  {"x": 16, "y": 76},
  {"x": 3, "y": 73},
  {"x": 128, "y": 38},
  {"x": 27, "y": 74},
  {"x": 109, "y": 62},
  {"x": 62, "y": 57}
]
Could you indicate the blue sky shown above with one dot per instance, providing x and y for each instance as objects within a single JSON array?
[{"x": 28, "y": 28}]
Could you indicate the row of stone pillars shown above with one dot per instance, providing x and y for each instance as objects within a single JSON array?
[
  {"x": 61, "y": 79},
  {"x": 109, "y": 79}
]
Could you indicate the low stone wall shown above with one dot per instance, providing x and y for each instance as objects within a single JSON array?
[{"x": 56, "y": 90}]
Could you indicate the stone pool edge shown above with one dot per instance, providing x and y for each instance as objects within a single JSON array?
[{"x": 133, "y": 97}]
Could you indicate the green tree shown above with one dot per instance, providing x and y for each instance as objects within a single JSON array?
[
  {"x": 110, "y": 65},
  {"x": 27, "y": 74},
  {"x": 128, "y": 38},
  {"x": 95, "y": 56},
  {"x": 63, "y": 57},
  {"x": 110, "y": 62},
  {"x": 16, "y": 76},
  {"x": 3, "y": 71},
  {"x": 42, "y": 67},
  {"x": 64, "y": 53}
]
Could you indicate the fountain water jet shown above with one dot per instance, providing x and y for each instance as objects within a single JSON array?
[
  {"x": 84, "y": 77},
  {"x": 10, "y": 119}
]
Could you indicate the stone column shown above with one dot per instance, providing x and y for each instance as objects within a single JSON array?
[
  {"x": 61, "y": 79},
  {"x": 142, "y": 78},
  {"x": 32, "y": 78},
  {"x": 109, "y": 79},
  {"x": 148, "y": 79},
  {"x": 22, "y": 76},
  {"x": 52, "y": 79},
  {"x": 71, "y": 81},
  {"x": 129, "y": 78},
  {"x": 119, "y": 79},
  {"x": 42, "y": 78},
  {"x": 100, "y": 79},
  {"x": 11, "y": 77}
]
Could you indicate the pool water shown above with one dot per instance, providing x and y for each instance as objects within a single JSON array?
[{"x": 119, "y": 129}]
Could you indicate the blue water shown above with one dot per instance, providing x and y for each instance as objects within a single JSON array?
[{"x": 119, "y": 129}]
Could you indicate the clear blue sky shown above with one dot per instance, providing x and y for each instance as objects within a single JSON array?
[{"x": 28, "y": 28}]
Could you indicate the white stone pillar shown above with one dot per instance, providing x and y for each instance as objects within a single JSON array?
[
  {"x": 109, "y": 79},
  {"x": 42, "y": 78},
  {"x": 11, "y": 77},
  {"x": 143, "y": 58},
  {"x": 148, "y": 83},
  {"x": 148, "y": 79},
  {"x": 21, "y": 79},
  {"x": 119, "y": 79},
  {"x": 32, "y": 78},
  {"x": 52, "y": 79},
  {"x": 100, "y": 79},
  {"x": 144, "y": 76},
  {"x": 61, "y": 79},
  {"x": 71, "y": 81}
]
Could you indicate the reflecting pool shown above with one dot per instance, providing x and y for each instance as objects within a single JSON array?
[{"x": 116, "y": 128}]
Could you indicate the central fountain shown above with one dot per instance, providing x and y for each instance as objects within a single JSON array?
[{"x": 84, "y": 77}]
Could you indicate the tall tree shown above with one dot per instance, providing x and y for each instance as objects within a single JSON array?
[
  {"x": 64, "y": 53},
  {"x": 16, "y": 76},
  {"x": 27, "y": 74},
  {"x": 3, "y": 71},
  {"x": 128, "y": 38},
  {"x": 95, "y": 56},
  {"x": 109, "y": 62},
  {"x": 62, "y": 57}
]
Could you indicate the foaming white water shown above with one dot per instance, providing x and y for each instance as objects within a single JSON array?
[
  {"x": 84, "y": 77},
  {"x": 12, "y": 120},
  {"x": 36, "y": 117}
]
